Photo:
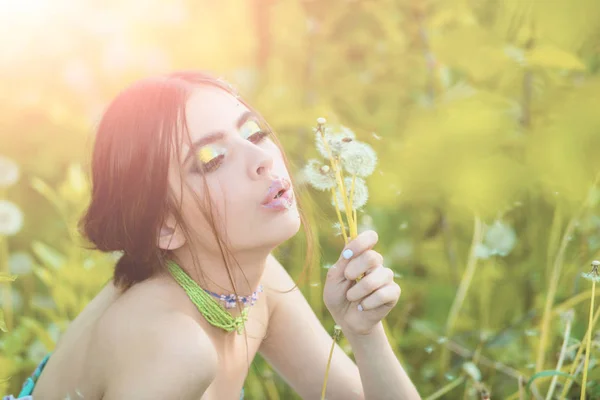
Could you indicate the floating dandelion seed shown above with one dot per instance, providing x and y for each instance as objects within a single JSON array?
[
  {"x": 361, "y": 194},
  {"x": 9, "y": 172},
  {"x": 358, "y": 159},
  {"x": 337, "y": 228},
  {"x": 318, "y": 175},
  {"x": 531, "y": 332},
  {"x": 321, "y": 121},
  {"x": 11, "y": 218},
  {"x": 429, "y": 349}
]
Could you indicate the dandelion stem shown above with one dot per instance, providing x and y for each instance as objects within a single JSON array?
[
  {"x": 347, "y": 206},
  {"x": 339, "y": 216},
  {"x": 354, "y": 218},
  {"x": 340, "y": 182},
  {"x": 327, "y": 370},
  {"x": 588, "y": 344},
  {"x": 336, "y": 334}
]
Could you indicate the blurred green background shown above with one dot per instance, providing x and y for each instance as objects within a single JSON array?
[{"x": 485, "y": 115}]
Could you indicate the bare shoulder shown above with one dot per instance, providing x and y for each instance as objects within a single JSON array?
[{"x": 155, "y": 350}]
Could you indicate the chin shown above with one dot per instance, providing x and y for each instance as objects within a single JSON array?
[{"x": 284, "y": 228}]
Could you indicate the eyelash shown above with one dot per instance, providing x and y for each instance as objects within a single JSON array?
[{"x": 203, "y": 168}]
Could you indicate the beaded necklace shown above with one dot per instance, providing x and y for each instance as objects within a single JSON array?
[{"x": 214, "y": 312}]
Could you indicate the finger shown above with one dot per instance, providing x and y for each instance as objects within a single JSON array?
[
  {"x": 376, "y": 279},
  {"x": 364, "y": 241},
  {"x": 367, "y": 261},
  {"x": 385, "y": 296}
]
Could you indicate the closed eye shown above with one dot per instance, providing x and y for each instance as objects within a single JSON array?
[
  {"x": 258, "y": 137},
  {"x": 205, "y": 167}
]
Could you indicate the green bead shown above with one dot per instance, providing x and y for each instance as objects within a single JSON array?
[{"x": 214, "y": 313}]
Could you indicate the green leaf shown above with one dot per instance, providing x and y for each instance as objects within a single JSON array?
[
  {"x": 50, "y": 256},
  {"x": 547, "y": 373},
  {"x": 553, "y": 57},
  {"x": 4, "y": 277}
]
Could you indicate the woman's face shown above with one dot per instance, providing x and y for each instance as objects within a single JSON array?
[{"x": 242, "y": 166}]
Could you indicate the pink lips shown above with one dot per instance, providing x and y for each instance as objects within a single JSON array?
[{"x": 279, "y": 197}]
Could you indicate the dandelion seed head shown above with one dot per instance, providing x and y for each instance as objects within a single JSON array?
[
  {"x": 361, "y": 194},
  {"x": 500, "y": 239},
  {"x": 591, "y": 276},
  {"x": 11, "y": 218},
  {"x": 358, "y": 159},
  {"x": 318, "y": 176},
  {"x": 336, "y": 140},
  {"x": 9, "y": 172}
]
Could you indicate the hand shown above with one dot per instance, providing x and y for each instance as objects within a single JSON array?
[{"x": 358, "y": 306}]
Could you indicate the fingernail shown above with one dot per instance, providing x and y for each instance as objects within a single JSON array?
[
  {"x": 347, "y": 254},
  {"x": 360, "y": 307}
]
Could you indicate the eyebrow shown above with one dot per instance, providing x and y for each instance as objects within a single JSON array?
[{"x": 215, "y": 136}]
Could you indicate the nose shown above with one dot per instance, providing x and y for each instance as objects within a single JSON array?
[{"x": 262, "y": 165}]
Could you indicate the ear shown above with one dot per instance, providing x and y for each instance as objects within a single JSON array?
[{"x": 171, "y": 235}]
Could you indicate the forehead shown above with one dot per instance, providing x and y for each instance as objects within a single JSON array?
[{"x": 211, "y": 109}]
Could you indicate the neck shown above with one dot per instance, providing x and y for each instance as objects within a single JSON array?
[{"x": 210, "y": 271}]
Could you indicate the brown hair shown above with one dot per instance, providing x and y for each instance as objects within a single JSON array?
[{"x": 129, "y": 172}]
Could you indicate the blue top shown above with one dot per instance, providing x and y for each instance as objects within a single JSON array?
[{"x": 29, "y": 384}]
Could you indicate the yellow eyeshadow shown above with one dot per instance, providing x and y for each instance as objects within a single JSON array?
[
  {"x": 207, "y": 153},
  {"x": 250, "y": 128}
]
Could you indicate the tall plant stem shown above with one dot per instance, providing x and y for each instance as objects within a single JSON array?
[
  {"x": 561, "y": 358},
  {"x": 463, "y": 288},
  {"x": 554, "y": 279},
  {"x": 574, "y": 365}
]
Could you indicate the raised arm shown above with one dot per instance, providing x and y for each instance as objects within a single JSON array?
[
  {"x": 172, "y": 359},
  {"x": 297, "y": 345}
]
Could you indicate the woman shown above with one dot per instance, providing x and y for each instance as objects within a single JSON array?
[{"x": 192, "y": 186}]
